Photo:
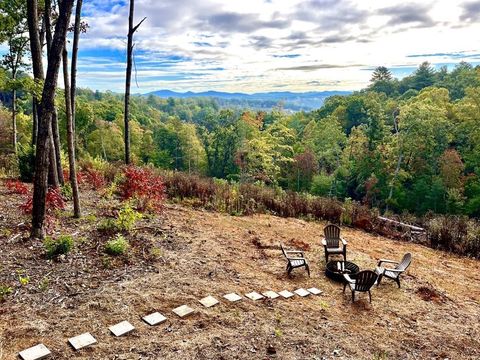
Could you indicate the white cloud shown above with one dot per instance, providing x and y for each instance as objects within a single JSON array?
[{"x": 249, "y": 39}]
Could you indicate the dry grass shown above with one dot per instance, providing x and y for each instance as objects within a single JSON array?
[{"x": 434, "y": 315}]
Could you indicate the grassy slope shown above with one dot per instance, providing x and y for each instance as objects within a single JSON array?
[{"x": 199, "y": 253}]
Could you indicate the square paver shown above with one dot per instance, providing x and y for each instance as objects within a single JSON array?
[
  {"x": 154, "y": 319},
  {"x": 232, "y": 297},
  {"x": 301, "y": 292},
  {"x": 254, "y": 296},
  {"x": 183, "y": 311},
  {"x": 36, "y": 352},
  {"x": 271, "y": 294},
  {"x": 286, "y": 294},
  {"x": 314, "y": 291},
  {"x": 121, "y": 328},
  {"x": 81, "y": 341},
  {"x": 208, "y": 301}
]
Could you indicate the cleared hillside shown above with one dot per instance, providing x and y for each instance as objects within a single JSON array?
[{"x": 187, "y": 254}]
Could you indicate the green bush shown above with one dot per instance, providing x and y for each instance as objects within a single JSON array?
[
  {"x": 26, "y": 163},
  {"x": 127, "y": 217},
  {"x": 55, "y": 247},
  {"x": 321, "y": 184},
  {"x": 67, "y": 192},
  {"x": 4, "y": 291},
  {"x": 117, "y": 246}
]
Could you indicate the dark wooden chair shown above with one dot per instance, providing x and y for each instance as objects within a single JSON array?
[
  {"x": 363, "y": 282},
  {"x": 393, "y": 273},
  {"x": 331, "y": 242},
  {"x": 295, "y": 259}
]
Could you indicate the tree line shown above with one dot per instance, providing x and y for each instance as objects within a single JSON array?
[{"x": 399, "y": 145}]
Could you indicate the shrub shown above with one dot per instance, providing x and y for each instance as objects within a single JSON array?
[
  {"x": 4, "y": 291},
  {"x": 54, "y": 201},
  {"x": 66, "y": 191},
  {"x": 117, "y": 246},
  {"x": 127, "y": 217},
  {"x": 144, "y": 186},
  {"x": 26, "y": 163},
  {"x": 55, "y": 247},
  {"x": 16, "y": 187}
]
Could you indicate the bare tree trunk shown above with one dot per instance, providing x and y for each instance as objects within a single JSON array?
[
  {"x": 14, "y": 119},
  {"x": 37, "y": 65},
  {"x": 131, "y": 31},
  {"x": 56, "y": 175},
  {"x": 70, "y": 136},
  {"x": 34, "y": 120},
  {"x": 47, "y": 107},
  {"x": 73, "y": 75}
]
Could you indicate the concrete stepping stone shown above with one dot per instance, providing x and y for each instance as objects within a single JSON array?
[
  {"x": 121, "y": 328},
  {"x": 183, "y": 311},
  {"x": 286, "y": 294},
  {"x": 254, "y": 296},
  {"x": 154, "y": 319},
  {"x": 81, "y": 341},
  {"x": 36, "y": 352},
  {"x": 301, "y": 292},
  {"x": 232, "y": 297},
  {"x": 314, "y": 291},
  {"x": 271, "y": 294},
  {"x": 208, "y": 301}
]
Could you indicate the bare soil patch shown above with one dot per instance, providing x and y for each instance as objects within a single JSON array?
[{"x": 184, "y": 255}]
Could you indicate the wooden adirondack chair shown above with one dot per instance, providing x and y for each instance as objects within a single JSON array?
[
  {"x": 363, "y": 282},
  {"x": 295, "y": 259},
  {"x": 394, "y": 273},
  {"x": 331, "y": 242}
]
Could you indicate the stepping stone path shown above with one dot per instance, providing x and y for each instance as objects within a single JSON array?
[
  {"x": 81, "y": 341},
  {"x": 232, "y": 297},
  {"x": 271, "y": 294},
  {"x": 183, "y": 311},
  {"x": 301, "y": 292},
  {"x": 36, "y": 352},
  {"x": 254, "y": 296},
  {"x": 121, "y": 328},
  {"x": 286, "y": 294},
  {"x": 208, "y": 301},
  {"x": 314, "y": 291},
  {"x": 40, "y": 351},
  {"x": 154, "y": 319}
]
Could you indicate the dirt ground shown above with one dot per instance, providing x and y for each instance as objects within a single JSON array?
[{"x": 186, "y": 254}]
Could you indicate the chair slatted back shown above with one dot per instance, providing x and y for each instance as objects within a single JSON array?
[
  {"x": 365, "y": 280},
  {"x": 405, "y": 263},
  {"x": 332, "y": 236}
]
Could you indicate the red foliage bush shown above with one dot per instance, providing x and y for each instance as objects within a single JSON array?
[
  {"x": 16, "y": 187},
  {"x": 92, "y": 177},
  {"x": 143, "y": 185},
  {"x": 54, "y": 201}
]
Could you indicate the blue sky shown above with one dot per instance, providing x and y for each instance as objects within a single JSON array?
[{"x": 263, "y": 45}]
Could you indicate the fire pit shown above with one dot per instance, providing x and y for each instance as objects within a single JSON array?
[{"x": 336, "y": 269}]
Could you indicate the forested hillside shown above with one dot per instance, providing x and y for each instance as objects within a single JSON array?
[{"x": 401, "y": 145}]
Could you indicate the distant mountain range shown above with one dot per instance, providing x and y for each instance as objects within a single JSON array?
[{"x": 288, "y": 100}]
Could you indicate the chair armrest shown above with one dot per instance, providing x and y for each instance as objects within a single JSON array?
[
  {"x": 348, "y": 278},
  {"x": 294, "y": 251},
  {"x": 344, "y": 242},
  {"x": 394, "y": 270},
  {"x": 386, "y": 261},
  {"x": 300, "y": 258},
  {"x": 324, "y": 242}
]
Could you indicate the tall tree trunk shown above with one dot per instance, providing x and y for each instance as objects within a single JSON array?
[
  {"x": 73, "y": 75},
  {"x": 47, "y": 106},
  {"x": 128, "y": 80},
  {"x": 70, "y": 136},
  {"x": 34, "y": 120},
  {"x": 56, "y": 171},
  {"x": 14, "y": 120},
  {"x": 36, "y": 54}
]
